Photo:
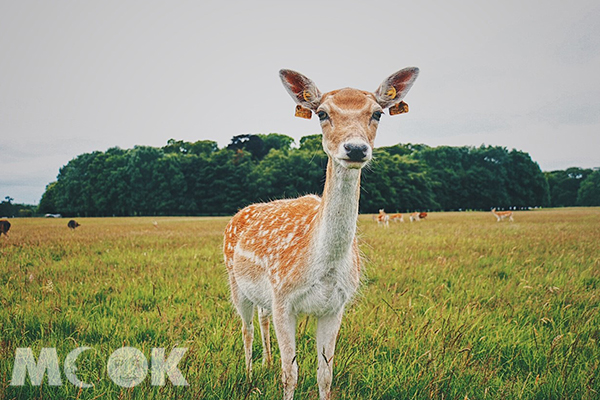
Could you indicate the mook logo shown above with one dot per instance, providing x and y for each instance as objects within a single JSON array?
[{"x": 126, "y": 367}]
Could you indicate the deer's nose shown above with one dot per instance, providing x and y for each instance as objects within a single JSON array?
[{"x": 356, "y": 152}]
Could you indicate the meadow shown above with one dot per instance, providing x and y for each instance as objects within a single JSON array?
[{"x": 456, "y": 306}]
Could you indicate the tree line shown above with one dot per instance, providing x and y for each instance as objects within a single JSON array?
[
  {"x": 10, "y": 209},
  {"x": 199, "y": 178}
]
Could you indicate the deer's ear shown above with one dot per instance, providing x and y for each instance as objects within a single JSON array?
[
  {"x": 303, "y": 90},
  {"x": 394, "y": 88}
]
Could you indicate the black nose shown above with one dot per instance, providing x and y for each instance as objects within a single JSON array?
[{"x": 356, "y": 152}]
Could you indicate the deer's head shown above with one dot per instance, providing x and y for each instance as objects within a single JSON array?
[{"x": 349, "y": 117}]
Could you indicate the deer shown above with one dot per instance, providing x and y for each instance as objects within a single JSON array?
[
  {"x": 398, "y": 217},
  {"x": 300, "y": 256},
  {"x": 414, "y": 217},
  {"x": 417, "y": 216},
  {"x": 500, "y": 215},
  {"x": 383, "y": 218}
]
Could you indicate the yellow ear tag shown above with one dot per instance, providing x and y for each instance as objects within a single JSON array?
[
  {"x": 391, "y": 93},
  {"x": 306, "y": 94},
  {"x": 303, "y": 112},
  {"x": 400, "y": 108}
]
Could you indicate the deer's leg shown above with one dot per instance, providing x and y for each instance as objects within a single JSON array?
[
  {"x": 246, "y": 310},
  {"x": 285, "y": 330},
  {"x": 327, "y": 331},
  {"x": 263, "y": 318}
]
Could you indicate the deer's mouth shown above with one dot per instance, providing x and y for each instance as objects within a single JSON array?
[{"x": 352, "y": 164}]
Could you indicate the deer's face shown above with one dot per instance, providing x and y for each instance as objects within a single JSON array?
[
  {"x": 349, "y": 117},
  {"x": 349, "y": 120}
]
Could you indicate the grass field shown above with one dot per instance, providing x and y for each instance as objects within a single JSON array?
[{"x": 454, "y": 307}]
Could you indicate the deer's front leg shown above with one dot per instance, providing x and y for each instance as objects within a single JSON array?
[
  {"x": 327, "y": 331},
  {"x": 285, "y": 329}
]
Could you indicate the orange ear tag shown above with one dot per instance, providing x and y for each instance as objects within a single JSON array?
[
  {"x": 400, "y": 108},
  {"x": 303, "y": 112},
  {"x": 391, "y": 93}
]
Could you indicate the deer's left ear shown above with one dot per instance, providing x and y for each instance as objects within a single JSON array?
[
  {"x": 394, "y": 88},
  {"x": 303, "y": 90}
]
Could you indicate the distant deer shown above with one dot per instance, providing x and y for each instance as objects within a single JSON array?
[
  {"x": 500, "y": 215},
  {"x": 398, "y": 217},
  {"x": 73, "y": 224},
  {"x": 300, "y": 255},
  {"x": 416, "y": 216},
  {"x": 383, "y": 218},
  {"x": 4, "y": 227}
]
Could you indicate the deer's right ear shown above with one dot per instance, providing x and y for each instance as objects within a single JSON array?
[{"x": 304, "y": 92}]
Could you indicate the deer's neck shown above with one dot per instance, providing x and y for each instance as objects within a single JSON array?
[{"x": 338, "y": 214}]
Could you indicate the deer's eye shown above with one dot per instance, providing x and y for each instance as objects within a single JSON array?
[
  {"x": 322, "y": 115},
  {"x": 377, "y": 115}
]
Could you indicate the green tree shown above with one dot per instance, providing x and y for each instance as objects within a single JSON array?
[
  {"x": 253, "y": 144},
  {"x": 227, "y": 185},
  {"x": 396, "y": 183},
  {"x": 589, "y": 191},
  {"x": 564, "y": 185},
  {"x": 527, "y": 185},
  {"x": 312, "y": 143},
  {"x": 48, "y": 202},
  {"x": 7, "y": 208},
  {"x": 203, "y": 148},
  {"x": 446, "y": 167},
  {"x": 283, "y": 174},
  {"x": 277, "y": 141}
]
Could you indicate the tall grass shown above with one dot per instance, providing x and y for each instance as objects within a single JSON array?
[{"x": 457, "y": 306}]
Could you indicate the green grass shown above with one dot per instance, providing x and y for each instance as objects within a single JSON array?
[{"x": 457, "y": 306}]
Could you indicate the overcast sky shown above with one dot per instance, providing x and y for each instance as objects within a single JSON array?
[{"x": 80, "y": 76}]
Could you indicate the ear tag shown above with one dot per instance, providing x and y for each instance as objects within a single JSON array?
[
  {"x": 391, "y": 93},
  {"x": 306, "y": 94},
  {"x": 302, "y": 112},
  {"x": 400, "y": 108}
]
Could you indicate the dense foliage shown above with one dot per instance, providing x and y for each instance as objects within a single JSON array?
[
  {"x": 574, "y": 187},
  {"x": 9, "y": 209},
  {"x": 199, "y": 178}
]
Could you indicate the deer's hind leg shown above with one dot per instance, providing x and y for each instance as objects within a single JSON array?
[
  {"x": 245, "y": 308},
  {"x": 263, "y": 318}
]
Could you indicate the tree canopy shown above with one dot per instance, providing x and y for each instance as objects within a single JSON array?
[{"x": 199, "y": 178}]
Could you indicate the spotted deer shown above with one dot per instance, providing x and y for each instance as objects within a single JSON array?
[
  {"x": 383, "y": 218},
  {"x": 300, "y": 256},
  {"x": 398, "y": 217},
  {"x": 500, "y": 215}
]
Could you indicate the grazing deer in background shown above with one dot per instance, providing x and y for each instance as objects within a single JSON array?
[
  {"x": 300, "y": 255},
  {"x": 397, "y": 217},
  {"x": 4, "y": 227},
  {"x": 422, "y": 215},
  {"x": 73, "y": 224},
  {"x": 503, "y": 214},
  {"x": 383, "y": 218},
  {"x": 415, "y": 217}
]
